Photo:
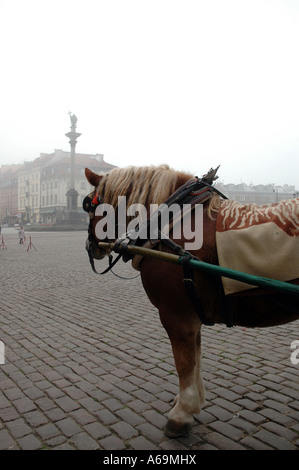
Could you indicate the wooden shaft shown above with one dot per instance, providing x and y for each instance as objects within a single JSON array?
[{"x": 147, "y": 252}]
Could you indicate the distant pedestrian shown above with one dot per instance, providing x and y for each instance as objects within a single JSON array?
[{"x": 21, "y": 236}]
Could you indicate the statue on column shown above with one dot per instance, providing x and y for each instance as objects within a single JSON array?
[{"x": 73, "y": 120}]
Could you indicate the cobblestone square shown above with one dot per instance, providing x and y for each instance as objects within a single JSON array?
[{"x": 89, "y": 366}]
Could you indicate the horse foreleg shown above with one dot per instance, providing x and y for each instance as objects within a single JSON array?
[
  {"x": 199, "y": 379},
  {"x": 185, "y": 341}
]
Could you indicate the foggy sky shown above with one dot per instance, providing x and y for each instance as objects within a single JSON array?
[{"x": 190, "y": 83}]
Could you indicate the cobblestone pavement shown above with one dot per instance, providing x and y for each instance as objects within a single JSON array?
[{"x": 89, "y": 366}]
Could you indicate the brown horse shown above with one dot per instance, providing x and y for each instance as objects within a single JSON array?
[{"x": 163, "y": 283}]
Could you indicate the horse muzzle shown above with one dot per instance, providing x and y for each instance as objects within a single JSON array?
[{"x": 94, "y": 251}]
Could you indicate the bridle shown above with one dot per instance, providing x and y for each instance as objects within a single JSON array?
[{"x": 90, "y": 204}]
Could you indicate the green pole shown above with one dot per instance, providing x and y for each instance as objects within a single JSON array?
[{"x": 247, "y": 278}]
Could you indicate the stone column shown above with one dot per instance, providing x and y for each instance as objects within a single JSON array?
[{"x": 72, "y": 194}]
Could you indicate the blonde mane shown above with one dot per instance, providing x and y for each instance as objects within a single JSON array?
[{"x": 144, "y": 185}]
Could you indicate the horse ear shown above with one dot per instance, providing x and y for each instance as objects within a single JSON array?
[{"x": 92, "y": 177}]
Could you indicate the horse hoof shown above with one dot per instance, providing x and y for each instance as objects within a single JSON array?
[{"x": 173, "y": 429}]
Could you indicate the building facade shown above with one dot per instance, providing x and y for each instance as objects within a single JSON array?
[
  {"x": 55, "y": 182},
  {"x": 29, "y": 191},
  {"x": 9, "y": 194},
  {"x": 35, "y": 192},
  {"x": 258, "y": 194}
]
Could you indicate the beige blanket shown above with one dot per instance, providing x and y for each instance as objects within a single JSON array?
[{"x": 259, "y": 240}]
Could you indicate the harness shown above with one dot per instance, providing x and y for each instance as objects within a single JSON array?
[{"x": 194, "y": 191}]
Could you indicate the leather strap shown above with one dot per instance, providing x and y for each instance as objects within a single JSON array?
[{"x": 190, "y": 289}]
